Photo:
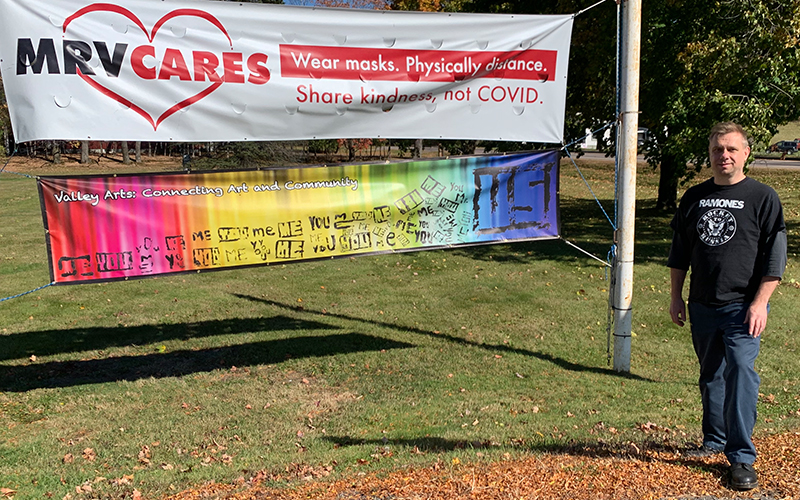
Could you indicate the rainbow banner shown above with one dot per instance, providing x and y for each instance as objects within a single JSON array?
[{"x": 104, "y": 228}]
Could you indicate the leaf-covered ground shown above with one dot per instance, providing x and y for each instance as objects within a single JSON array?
[{"x": 597, "y": 473}]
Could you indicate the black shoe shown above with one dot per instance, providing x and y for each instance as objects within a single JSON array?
[
  {"x": 743, "y": 476},
  {"x": 702, "y": 451}
]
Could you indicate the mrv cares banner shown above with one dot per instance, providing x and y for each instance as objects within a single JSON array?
[
  {"x": 226, "y": 71},
  {"x": 128, "y": 226}
]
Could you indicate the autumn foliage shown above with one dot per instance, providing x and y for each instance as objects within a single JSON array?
[{"x": 590, "y": 473}]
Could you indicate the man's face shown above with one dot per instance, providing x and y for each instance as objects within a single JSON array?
[{"x": 728, "y": 153}]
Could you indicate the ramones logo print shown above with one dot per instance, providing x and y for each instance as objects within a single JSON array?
[{"x": 716, "y": 227}]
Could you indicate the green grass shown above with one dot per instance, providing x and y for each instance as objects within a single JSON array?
[
  {"x": 788, "y": 132},
  {"x": 351, "y": 365}
]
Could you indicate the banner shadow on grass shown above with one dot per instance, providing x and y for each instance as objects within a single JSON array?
[
  {"x": 49, "y": 342},
  {"x": 561, "y": 362},
  {"x": 647, "y": 450},
  {"x": 180, "y": 363}
]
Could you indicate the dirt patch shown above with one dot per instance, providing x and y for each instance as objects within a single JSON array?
[{"x": 98, "y": 164}]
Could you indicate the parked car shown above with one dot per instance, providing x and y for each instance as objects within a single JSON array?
[
  {"x": 785, "y": 147},
  {"x": 644, "y": 139}
]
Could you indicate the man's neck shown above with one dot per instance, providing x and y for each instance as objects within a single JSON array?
[{"x": 729, "y": 181}]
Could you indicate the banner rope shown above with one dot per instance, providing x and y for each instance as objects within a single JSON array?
[
  {"x": 576, "y": 247},
  {"x": 610, "y": 261},
  {"x": 8, "y": 160},
  {"x": 588, "y": 8},
  {"x": 593, "y": 132},
  {"x": 4, "y": 171},
  {"x": 612, "y": 257},
  {"x": 28, "y": 292},
  {"x": 18, "y": 173},
  {"x": 614, "y": 226}
]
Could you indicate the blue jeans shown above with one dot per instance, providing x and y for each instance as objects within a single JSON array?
[{"x": 728, "y": 379}]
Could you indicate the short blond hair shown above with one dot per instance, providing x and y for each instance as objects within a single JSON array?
[{"x": 729, "y": 128}]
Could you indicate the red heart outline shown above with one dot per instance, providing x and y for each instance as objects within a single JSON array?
[{"x": 116, "y": 9}]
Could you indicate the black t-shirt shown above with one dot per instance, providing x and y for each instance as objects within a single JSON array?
[{"x": 730, "y": 237}]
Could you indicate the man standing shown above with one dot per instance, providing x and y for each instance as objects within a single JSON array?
[{"x": 730, "y": 231}]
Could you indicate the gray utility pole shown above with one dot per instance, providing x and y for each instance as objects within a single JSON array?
[{"x": 626, "y": 151}]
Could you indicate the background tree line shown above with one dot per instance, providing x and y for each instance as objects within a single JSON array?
[{"x": 702, "y": 61}]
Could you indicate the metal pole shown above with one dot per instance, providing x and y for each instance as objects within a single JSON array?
[{"x": 626, "y": 150}]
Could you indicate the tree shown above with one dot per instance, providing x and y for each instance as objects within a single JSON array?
[
  {"x": 55, "y": 147},
  {"x": 591, "y": 80},
  {"x": 251, "y": 154},
  {"x": 353, "y": 4},
  {"x": 126, "y": 154},
  {"x": 5, "y": 122},
  {"x": 702, "y": 61},
  {"x": 710, "y": 61},
  {"x": 84, "y": 152}
]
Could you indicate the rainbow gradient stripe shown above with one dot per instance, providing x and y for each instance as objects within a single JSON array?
[{"x": 102, "y": 228}]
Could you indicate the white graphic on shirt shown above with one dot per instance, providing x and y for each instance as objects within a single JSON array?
[{"x": 716, "y": 227}]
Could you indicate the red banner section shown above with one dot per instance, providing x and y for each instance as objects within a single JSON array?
[{"x": 371, "y": 64}]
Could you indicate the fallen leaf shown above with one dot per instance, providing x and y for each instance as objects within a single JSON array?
[
  {"x": 89, "y": 454},
  {"x": 144, "y": 455},
  {"x": 124, "y": 479}
]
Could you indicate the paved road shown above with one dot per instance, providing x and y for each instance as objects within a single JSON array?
[{"x": 789, "y": 163}]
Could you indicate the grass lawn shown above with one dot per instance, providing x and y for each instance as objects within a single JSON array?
[
  {"x": 788, "y": 132},
  {"x": 339, "y": 367}
]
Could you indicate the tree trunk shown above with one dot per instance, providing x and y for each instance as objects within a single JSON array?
[
  {"x": 417, "y": 149},
  {"x": 56, "y": 153},
  {"x": 351, "y": 150},
  {"x": 126, "y": 153},
  {"x": 138, "y": 151},
  {"x": 84, "y": 152},
  {"x": 668, "y": 183}
]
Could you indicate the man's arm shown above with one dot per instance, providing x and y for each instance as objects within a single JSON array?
[
  {"x": 756, "y": 318},
  {"x": 677, "y": 307}
]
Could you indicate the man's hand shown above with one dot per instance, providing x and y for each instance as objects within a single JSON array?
[
  {"x": 677, "y": 307},
  {"x": 756, "y": 319},
  {"x": 677, "y": 311}
]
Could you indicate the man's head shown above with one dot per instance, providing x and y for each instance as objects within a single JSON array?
[{"x": 728, "y": 149}]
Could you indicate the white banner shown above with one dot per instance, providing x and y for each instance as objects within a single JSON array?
[{"x": 172, "y": 70}]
